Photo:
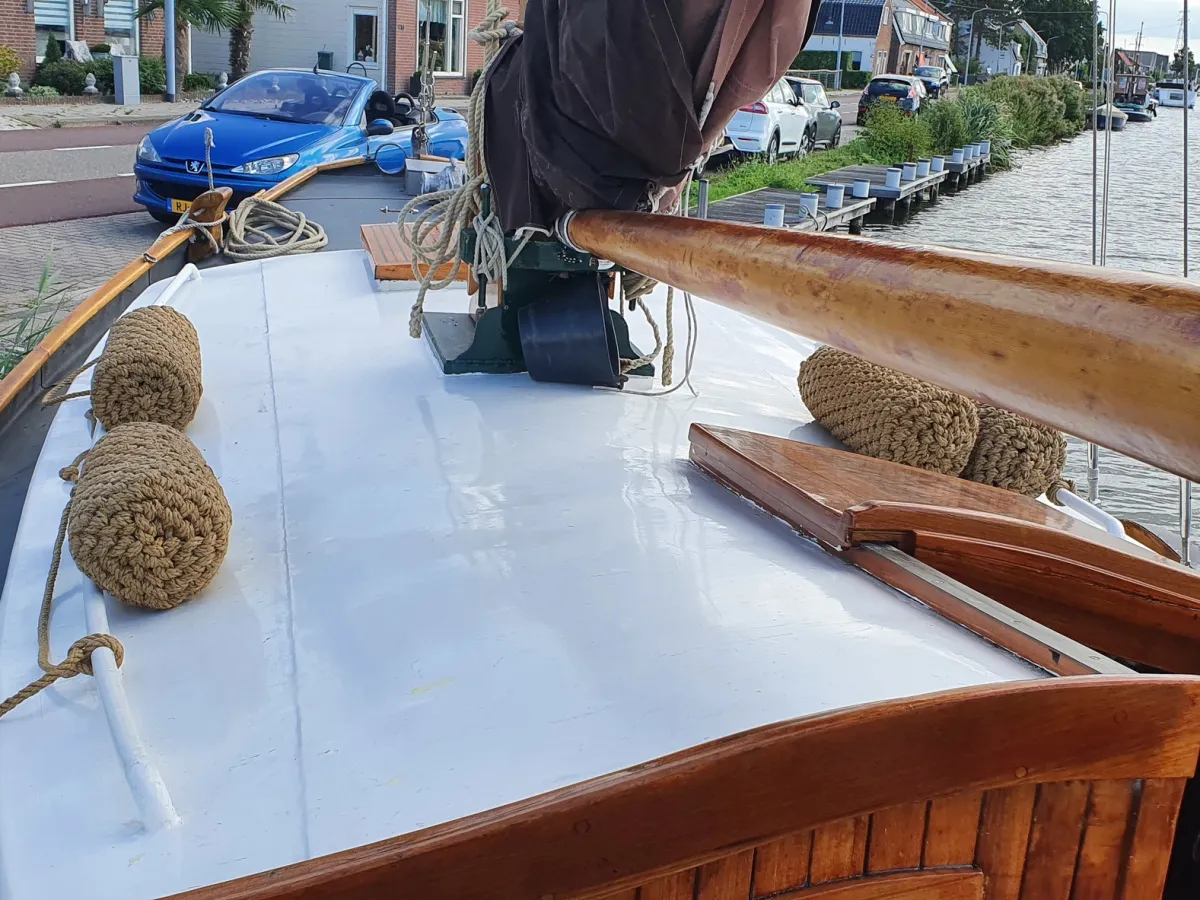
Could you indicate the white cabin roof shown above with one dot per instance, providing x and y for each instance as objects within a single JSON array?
[{"x": 442, "y": 594}]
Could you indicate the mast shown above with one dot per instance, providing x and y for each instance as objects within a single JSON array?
[{"x": 1185, "y": 486}]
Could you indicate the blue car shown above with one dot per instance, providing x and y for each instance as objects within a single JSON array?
[{"x": 273, "y": 124}]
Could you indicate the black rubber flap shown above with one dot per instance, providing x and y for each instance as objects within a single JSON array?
[{"x": 567, "y": 335}]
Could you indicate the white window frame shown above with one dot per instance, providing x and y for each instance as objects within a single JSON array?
[
  {"x": 885, "y": 15},
  {"x": 450, "y": 17},
  {"x": 355, "y": 12}
]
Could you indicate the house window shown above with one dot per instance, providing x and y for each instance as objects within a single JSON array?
[
  {"x": 119, "y": 25},
  {"x": 443, "y": 23},
  {"x": 364, "y": 37},
  {"x": 52, "y": 19},
  {"x": 881, "y": 62},
  {"x": 884, "y": 19}
]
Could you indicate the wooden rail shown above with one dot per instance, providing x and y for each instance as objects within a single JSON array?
[{"x": 1104, "y": 354}]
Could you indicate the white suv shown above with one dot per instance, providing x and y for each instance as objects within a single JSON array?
[{"x": 778, "y": 123}]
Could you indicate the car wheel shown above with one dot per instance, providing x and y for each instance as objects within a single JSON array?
[
  {"x": 165, "y": 217},
  {"x": 837, "y": 136},
  {"x": 809, "y": 142},
  {"x": 773, "y": 150}
]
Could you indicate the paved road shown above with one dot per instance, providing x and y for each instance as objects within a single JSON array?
[{"x": 56, "y": 174}]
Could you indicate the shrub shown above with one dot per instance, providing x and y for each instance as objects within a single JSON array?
[
  {"x": 946, "y": 124},
  {"x": 69, "y": 77},
  {"x": 10, "y": 61},
  {"x": 987, "y": 119},
  {"x": 1035, "y": 109},
  {"x": 855, "y": 80},
  {"x": 53, "y": 52},
  {"x": 100, "y": 48},
  {"x": 43, "y": 90},
  {"x": 1074, "y": 111},
  {"x": 199, "y": 81},
  {"x": 895, "y": 137}
]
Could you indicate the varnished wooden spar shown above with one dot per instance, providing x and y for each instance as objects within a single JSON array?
[{"x": 1104, "y": 354}]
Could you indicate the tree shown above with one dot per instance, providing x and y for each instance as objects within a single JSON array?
[
  {"x": 1177, "y": 63},
  {"x": 1065, "y": 25},
  {"x": 210, "y": 15},
  {"x": 242, "y": 31}
]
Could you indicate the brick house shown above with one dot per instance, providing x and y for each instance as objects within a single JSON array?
[
  {"x": 26, "y": 25},
  {"x": 379, "y": 37}
]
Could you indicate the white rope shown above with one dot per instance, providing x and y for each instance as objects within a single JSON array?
[
  {"x": 261, "y": 229},
  {"x": 432, "y": 239},
  {"x": 209, "y": 143}
]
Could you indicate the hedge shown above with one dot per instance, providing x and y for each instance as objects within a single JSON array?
[{"x": 70, "y": 77}]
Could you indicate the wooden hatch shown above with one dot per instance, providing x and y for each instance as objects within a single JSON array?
[{"x": 1104, "y": 592}]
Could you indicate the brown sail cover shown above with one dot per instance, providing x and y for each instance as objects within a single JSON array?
[{"x": 597, "y": 105}]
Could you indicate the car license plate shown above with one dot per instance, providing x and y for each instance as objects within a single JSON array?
[
  {"x": 180, "y": 206},
  {"x": 889, "y": 99}
]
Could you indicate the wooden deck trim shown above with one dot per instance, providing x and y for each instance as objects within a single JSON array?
[
  {"x": 26, "y": 370},
  {"x": 625, "y": 829},
  {"x": 391, "y": 259},
  {"x": 949, "y": 884}
]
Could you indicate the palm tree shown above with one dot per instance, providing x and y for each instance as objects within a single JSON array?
[
  {"x": 242, "y": 31},
  {"x": 211, "y": 15}
]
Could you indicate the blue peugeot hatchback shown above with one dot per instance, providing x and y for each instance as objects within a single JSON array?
[{"x": 274, "y": 123}]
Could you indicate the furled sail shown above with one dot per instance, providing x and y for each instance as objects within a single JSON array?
[{"x": 606, "y": 104}]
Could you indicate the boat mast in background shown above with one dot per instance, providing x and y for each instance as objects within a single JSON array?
[{"x": 1185, "y": 486}]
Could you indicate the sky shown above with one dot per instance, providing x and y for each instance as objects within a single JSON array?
[{"x": 1161, "y": 28}]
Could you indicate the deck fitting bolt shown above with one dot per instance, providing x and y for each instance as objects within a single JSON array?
[
  {"x": 583, "y": 826},
  {"x": 1022, "y": 771}
]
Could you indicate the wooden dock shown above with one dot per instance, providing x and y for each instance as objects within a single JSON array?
[
  {"x": 969, "y": 171},
  {"x": 877, "y": 176},
  {"x": 749, "y": 208}
]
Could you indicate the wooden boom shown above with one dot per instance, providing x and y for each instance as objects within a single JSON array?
[{"x": 1104, "y": 354}]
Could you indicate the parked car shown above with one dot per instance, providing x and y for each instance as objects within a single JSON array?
[
  {"x": 899, "y": 89},
  {"x": 825, "y": 121},
  {"x": 934, "y": 78},
  {"x": 274, "y": 123},
  {"x": 778, "y": 123}
]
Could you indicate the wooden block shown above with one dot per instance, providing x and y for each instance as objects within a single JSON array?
[
  {"x": 1104, "y": 841},
  {"x": 392, "y": 259},
  {"x": 897, "y": 836},
  {"x": 1003, "y": 837},
  {"x": 678, "y": 886},
  {"x": 1054, "y": 840},
  {"x": 1158, "y": 810},
  {"x": 783, "y": 864},
  {"x": 727, "y": 878},
  {"x": 839, "y": 850},
  {"x": 953, "y": 830}
]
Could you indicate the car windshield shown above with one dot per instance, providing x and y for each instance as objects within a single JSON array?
[
  {"x": 928, "y": 71},
  {"x": 290, "y": 97},
  {"x": 888, "y": 86}
]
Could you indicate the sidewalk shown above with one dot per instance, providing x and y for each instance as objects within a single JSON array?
[{"x": 28, "y": 115}]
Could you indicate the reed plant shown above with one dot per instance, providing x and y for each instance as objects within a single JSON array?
[{"x": 23, "y": 329}]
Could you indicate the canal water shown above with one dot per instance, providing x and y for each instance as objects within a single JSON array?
[{"x": 1043, "y": 208}]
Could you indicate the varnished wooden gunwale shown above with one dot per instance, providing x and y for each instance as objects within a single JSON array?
[
  {"x": 1104, "y": 354},
  {"x": 641, "y": 825}
]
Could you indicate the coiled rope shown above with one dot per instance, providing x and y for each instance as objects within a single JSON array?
[
  {"x": 147, "y": 522},
  {"x": 440, "y": 216},
  {"x": 262, "y": 229}
]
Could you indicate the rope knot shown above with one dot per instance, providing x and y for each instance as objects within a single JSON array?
[{"x": 79, "y": 658}]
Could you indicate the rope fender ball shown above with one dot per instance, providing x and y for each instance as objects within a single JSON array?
[
  {"x": 149, "y": 522},
  {"x": 878, "y": 412},
  {"x": 1016, "y": 453},
  {"x": 150, "y": 371}
]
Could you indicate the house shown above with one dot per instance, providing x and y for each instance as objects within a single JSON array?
[
  {"x": 26, "y": 26},
  {"x": 854, "y": 25},
  {"x": 377, "y": 37},
  {"x": 1146, "y": 62},
  {"x": 920, "y": 36},
  {"x": 1038, "y": 55}
]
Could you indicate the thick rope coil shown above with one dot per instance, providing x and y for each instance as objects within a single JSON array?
[
  {"x": 1015, "y": 453},
  {"x": 149, "y": 522},
  {"x": 433, "y": 236},
  {"x": 150, "y": 371},
  {"x": 262, "y": 229},
  {"x": 881, "y": 413}
]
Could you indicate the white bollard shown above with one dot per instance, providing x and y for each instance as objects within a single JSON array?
[
  {"x": 937, "y": 164},
  {"x": 958, "y": 155},
  {"x": 773, "y": 215},
  {"x": 892, "y": 179},
  {"x": 985, "y": 147},
  {"x": 910, "y": 172},
  {"x": 834, "y": 196},
  {"x": 808, "y": 204},
  {"x": 922, "y": 168},
  {"x": 861, "y": 189}
]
